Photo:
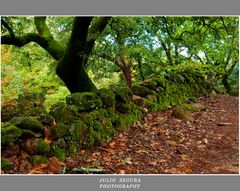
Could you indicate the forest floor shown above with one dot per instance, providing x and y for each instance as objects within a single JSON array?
[{"x": 162, "y": 144}]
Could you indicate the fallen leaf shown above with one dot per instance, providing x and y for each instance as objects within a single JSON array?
[
  {"x": 126, "y": 161},
  {"x": 201, "y": 146},
  {"x": 184, "y": 157},
  {"x": 121, "y": 172},
  {"x": 55, "y": 166},
  {"x": 112, "y": 144},
  {"x": 205, "y": 141},
  {"x": 171, "y": 143},
  {"x": 154, "y": 163},
  {"x": 107, "y": 158},
  {"x": 36, "y": 172}
]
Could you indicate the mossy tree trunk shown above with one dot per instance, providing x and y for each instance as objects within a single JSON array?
[{"x": 70, "y": 61}]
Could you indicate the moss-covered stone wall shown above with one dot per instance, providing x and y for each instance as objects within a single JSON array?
[{"x": 91, "y": 118}]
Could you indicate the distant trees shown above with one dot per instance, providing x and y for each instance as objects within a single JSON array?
[{"x": 138, "y": 46}]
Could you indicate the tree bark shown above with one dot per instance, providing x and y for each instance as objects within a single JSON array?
[
  {"x": 71, "y": 61},
  {"x": 226, "y": 84}
]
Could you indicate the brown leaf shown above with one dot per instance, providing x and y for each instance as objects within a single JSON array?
[
  {"x": 154, "y": 163},
  {"x": 205, "y": 141},
  {"x": 36, "y": 172},
  {"x": 24, "y": 165},
  {"x": 112, "y": 144},
  {"x": 107, "y": 158},
  {"x": 184, "y": 157},
  {"x": 171, "y": 143},
  {"x": 121, "y": 171},
  {"x": 55, "y": 166}
]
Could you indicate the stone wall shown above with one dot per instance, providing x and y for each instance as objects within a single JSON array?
[{"x": 91, "y": 118}]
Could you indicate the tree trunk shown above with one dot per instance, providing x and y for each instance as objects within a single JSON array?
[
  {"x": 75, "y": 77},
  {"x": 71, "y": 61},
  {"x": 226, "y": 84}
]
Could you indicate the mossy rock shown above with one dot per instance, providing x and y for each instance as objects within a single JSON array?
[
  {"x": 43, "y": 147},
  {"x": 29, "y": 123},
  {"x": 64, "y": 113},
  {"x": 139, "y": 101},
  {"x": 118, "y": 89},
  {"x": 5, "y": 165},
  {"x": 123, "y": 121},
  {"x": 198, "y": 107},
  {"x": 8, "y": 111},
  {"x": 59, "y": 153},
  {"x": 59, "y": 130},
  {"x": 10, "y": 134},
  {"x": 161, "y": 82},
  {"x": 152, "y": 106},
  {"x": 107, "y": 96},
  {"x": 151, "y": 84},
  {"x": 97, "y": 128},
  {"x": 85, "y": 101},
  {"x": 26, "y": 133},
  {"x": 183, "y": 114},
  {"x": 152, "y": 98},
  {"x": 124, "y": 108},
  {"x": 78, "y": 132},
  {"x": 142, "y": 91},
  {"x": 42, "y": 115},
  {"x": 38, "y": 159}
]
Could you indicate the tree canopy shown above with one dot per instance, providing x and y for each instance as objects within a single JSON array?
[{"x": 91, "y": 52}]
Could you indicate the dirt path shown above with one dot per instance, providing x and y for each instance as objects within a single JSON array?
[{"x": 162, "y": 144}]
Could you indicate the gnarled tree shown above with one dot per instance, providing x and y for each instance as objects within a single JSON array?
[{"x": 70, "y": 60}]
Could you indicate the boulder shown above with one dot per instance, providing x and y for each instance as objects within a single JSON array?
[
  {"x": 198, "y": 106},
  {"x": 107, "y": 96},
  {"x": 182, "y": 114},
  {"x": 10, "y": 134},
  {"x": 141, "y": 90},
  {"x": 29, "y": 123},
  {"x": 63, "y": 113},
  {"x": 85, "y": 101}
]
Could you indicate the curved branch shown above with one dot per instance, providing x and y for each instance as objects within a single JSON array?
[
  {"x": 95, "y": 30},
  {"x": 5, "y": 24},
  {"x": 55, "y": 51},
  {"x": 44, "y": 38}
]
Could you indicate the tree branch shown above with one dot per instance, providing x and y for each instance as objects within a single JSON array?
[{"x": 5, "y": 24}]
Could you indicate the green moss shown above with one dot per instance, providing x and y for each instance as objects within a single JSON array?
[
  {"x": 152, "y": 98},
  {"x": 152, "y": 106},
  {"x": 124, "y": 108},
  {"x": 150, "y": 84},
  {"x": 142, "y": 91},
  {"x": 38, "y": 159},
  {"x": 59, "y": 131},
  {"x": 85, "y": 101},
  {"x": 5, "y": 165},
  {"x": 10, "y": 134},
  {"x": 161, "y": 82},
  {"x": 28, "y": 123},
  {"x": 78, "y": 132},
  {"x": 122, "y": 94},
  {"x": 91, "y": 137},
  {"x": 123, "y": 122},
  {"x": 63, "y": 113},
  {"x": 59, "y": 153},
  {"x": 27, "y": 134},
  {"x": 107, "y": 96},
  {"x": 43, "y": 147},
  {"x": 43, "y": 116}
]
